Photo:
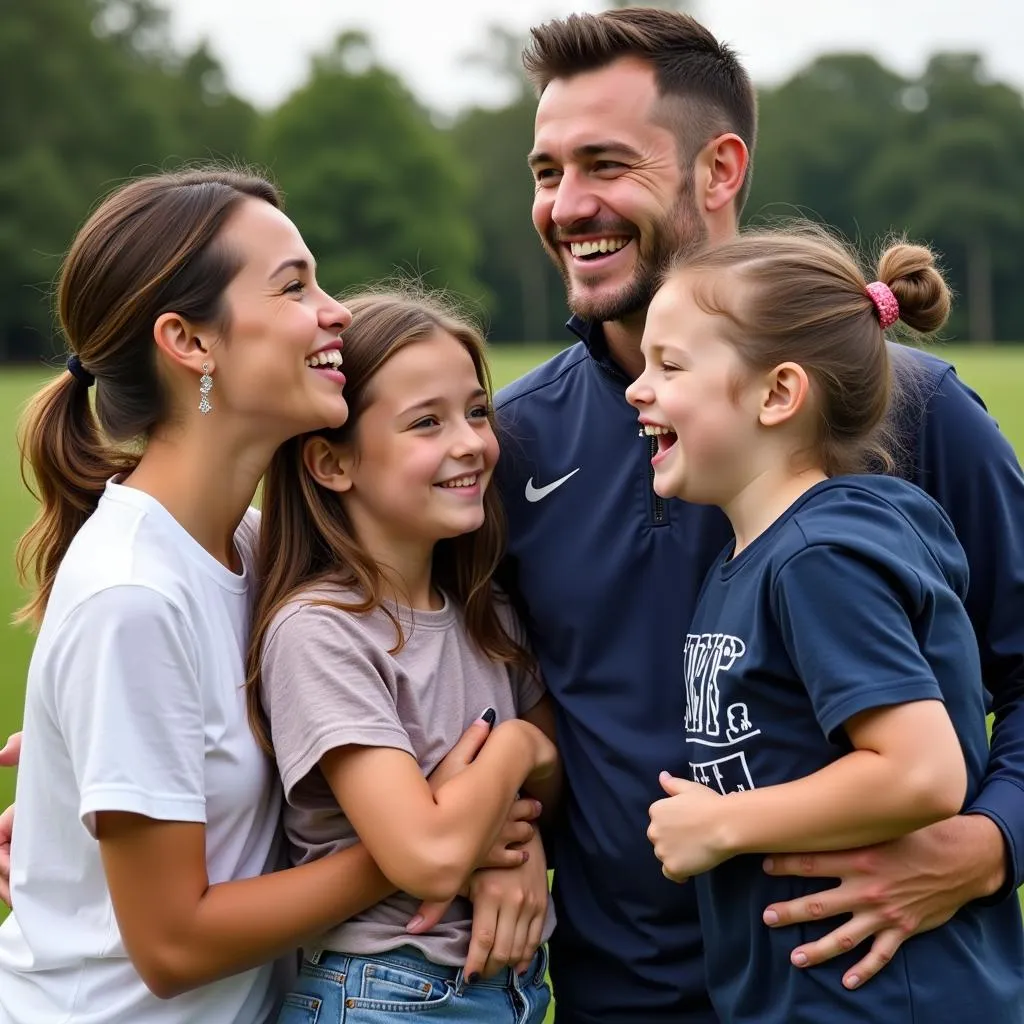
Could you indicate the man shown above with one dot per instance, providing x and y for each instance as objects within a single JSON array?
[{"x": 644, "y": 130}]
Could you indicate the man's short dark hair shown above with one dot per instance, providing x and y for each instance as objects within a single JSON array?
[{"x": 704, "y": 89}]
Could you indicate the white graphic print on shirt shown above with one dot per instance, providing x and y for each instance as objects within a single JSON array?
[{"x": 706, "y": 655}]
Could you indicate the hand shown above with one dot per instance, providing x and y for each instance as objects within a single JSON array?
[
  {"x": 893, "y": 890},
  {"x": 509, "y": 849},
  {"x": 506, "y": 850},
  {"x": 6, "y": 831},
  {"x": 10, "y": 755},
  {"x": 509, "y": 909},
  {"x": 463, "y": 754},
  {"x": 684, "y": 828}
]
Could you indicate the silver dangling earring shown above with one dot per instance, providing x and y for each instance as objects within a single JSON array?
[{"x": 205, "y": 387}]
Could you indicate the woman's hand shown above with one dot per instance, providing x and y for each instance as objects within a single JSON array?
[{"x": 10, "y": 755}]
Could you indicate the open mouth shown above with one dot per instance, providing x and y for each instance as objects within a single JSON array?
[
  {"x": 597, "y": 250},
  {"x": 325, "y": 359},
  {"x": 666, "y": 438},
  {"x": 460, "y": 483}
]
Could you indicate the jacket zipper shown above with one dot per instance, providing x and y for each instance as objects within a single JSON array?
[{"x": 659, "y": 502}]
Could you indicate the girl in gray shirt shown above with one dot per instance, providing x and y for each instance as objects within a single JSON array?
[{"x": 378, "y": 638}]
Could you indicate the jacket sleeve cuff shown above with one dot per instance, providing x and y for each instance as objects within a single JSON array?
[{"x": 1002, "y": 802}]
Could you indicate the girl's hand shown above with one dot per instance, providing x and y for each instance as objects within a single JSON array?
[
  {"x": 509, "y": 850},
  {"x": 517, "y": 830},
  {"x": 684, "y": 828},
  {"x": 469, "y": 744},
  {"x": 509, "y": 909}
]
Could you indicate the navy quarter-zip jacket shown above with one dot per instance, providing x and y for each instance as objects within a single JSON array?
[{"x": 607, "y": 574}]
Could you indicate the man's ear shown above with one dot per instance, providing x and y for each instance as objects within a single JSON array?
[
  {"x": 330, "y": 465},
  {"x": 182, "y": 343},
  {"x": 720, "y": 171},
  {"x": 786, "y": 391}
]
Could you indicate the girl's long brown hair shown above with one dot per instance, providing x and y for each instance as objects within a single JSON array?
[{"x": 306, "y": 538}]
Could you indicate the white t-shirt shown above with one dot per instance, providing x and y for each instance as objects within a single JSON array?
[{"x": 135, "y": 702}]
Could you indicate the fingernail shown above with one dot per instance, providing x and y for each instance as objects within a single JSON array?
[
  {"x": 769, "y": 864},
  {"x": 526, "y": 856},
  {"x": 474, "y": 977},
  {"x": 771, "y": 917},
  {"x": 414, "y": 922},
  {"x": 800, "y": 959},
  {"x": 852, "y": 981},
  {"x": 488, "y": 716},
  {"x": 539, "y": 807}
]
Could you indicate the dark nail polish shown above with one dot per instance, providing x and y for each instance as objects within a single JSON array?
[
  {"x": 489, "y": 716},
  {"x": 474, "y": 977}
]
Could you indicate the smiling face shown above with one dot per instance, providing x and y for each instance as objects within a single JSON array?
[
  {"x": 424, "y": 450},
  {"x": 279, "y": 364},
  {"x": 612, "y": 203},
  {"x": 699, "y": 398}
]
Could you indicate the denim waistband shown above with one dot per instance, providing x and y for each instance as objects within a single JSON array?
[{"x": 413, "y": 959}]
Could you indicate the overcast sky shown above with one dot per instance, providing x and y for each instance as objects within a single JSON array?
[{"x": 265, "y": 44}]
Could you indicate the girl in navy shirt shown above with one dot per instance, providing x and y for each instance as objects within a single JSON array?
[{"x": 833, "y": 687}]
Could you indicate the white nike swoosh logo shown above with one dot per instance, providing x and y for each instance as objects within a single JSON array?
[{"x": 536, "y": 493}]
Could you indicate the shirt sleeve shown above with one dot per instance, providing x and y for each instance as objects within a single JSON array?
[
  {"x": 129, "y": 706},
  {"x": 323, "y": 687},
  {"x": 849, "y": 635},
  {"x": 969, "y": 467}
]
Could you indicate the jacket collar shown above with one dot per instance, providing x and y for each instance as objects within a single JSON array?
[{"x": 591, "y": 333}]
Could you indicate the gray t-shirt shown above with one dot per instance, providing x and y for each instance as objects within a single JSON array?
[{"x": 329, "y": 681}]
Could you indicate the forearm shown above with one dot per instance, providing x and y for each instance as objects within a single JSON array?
[
  {"x": 467, "y": 815},
  {"x": 860, "y": 799},
  {"x": 243, "y": 924}
]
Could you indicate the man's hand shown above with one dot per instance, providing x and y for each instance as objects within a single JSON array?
[
  {"x": 683, "y": 828},
  {"x": 509, "y": 908},
  {"x": 893, "y": 890},
  {"x": 10, "y": 755}
]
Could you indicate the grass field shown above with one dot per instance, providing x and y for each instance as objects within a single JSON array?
[{"x": 996, "y": 373}]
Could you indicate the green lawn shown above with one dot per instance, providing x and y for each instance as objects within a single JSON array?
[{"x": 996, "y": 373}]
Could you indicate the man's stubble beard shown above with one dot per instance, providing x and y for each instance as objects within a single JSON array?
[{"x": 680, "y": 232}]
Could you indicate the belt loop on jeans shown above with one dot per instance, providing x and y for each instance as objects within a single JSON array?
[
  {"x": 460, "y": 981},
  {"x": 314, "y": 957}
]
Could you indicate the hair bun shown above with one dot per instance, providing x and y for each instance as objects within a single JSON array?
[{"x": 911, "y": 273}]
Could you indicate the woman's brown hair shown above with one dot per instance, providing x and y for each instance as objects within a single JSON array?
[
  {"x": 306, "y": 538},
  {"x": 797, "y": 294},
  {"x": 149, "y": 248}
]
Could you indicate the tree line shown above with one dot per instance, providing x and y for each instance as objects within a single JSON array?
[{"x": 95, "y": 91}]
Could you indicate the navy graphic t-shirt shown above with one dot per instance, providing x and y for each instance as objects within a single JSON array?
[{"x": 852, "y": 600}]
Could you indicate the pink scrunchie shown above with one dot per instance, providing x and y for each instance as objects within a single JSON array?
[{"x": 885, "y": 302}]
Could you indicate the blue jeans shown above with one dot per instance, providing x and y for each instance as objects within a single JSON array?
[{"x": 334, "y": 988}]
